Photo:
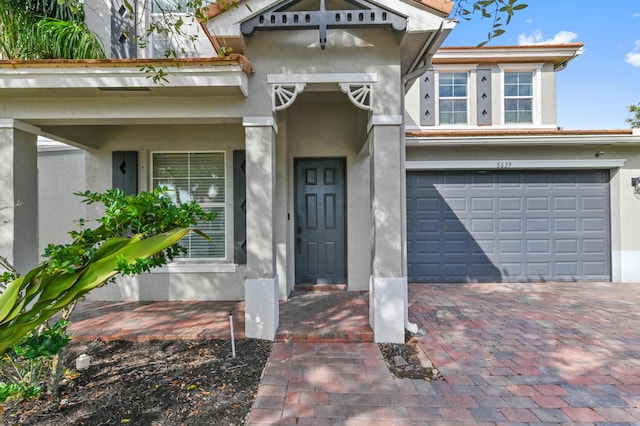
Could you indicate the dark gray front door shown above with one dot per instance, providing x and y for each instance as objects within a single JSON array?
[{"x": 320, "y": 243}]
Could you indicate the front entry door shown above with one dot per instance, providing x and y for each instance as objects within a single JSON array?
[{"x": 320, "y": 226}]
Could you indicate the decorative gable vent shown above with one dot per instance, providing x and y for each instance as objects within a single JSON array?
[{"x": 366, "y": 16}]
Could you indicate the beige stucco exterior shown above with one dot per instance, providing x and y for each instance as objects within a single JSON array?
[
  {"x": 348, "y": 104},
  {"x": 216, "y": 104}
]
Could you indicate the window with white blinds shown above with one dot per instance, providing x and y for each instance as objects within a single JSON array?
[{"x": 198, "y": 176}]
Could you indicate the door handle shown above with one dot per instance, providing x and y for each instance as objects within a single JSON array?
[{"x": 299, "y": 244}]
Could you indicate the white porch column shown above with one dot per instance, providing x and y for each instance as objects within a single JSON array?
[
  {"x": 261, "y": 285},
  {"x": 388, "y": 287},
  {"x": 19, "y": 194}
]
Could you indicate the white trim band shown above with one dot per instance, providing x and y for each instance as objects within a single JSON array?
[
  {"x": 322, "y": 78},
  {"x": 260, "y": 121},
  {"x": 500, "y": 164}
]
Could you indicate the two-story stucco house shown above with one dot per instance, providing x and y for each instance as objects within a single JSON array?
[{"x": 340, "y": 144}]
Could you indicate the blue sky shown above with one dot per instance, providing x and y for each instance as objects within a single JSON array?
[{"x": 596, "y": 88}]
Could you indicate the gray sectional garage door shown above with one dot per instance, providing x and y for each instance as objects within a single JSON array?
[{"x": 508, "y": 226}]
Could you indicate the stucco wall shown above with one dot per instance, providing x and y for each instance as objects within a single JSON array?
[
  {"x": 60, "y": 174},
  {"x": 186, "y": 284},
  {"x": 544, "y": 96}
]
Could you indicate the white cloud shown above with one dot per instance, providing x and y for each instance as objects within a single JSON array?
[
  {"x": 529, "y": 21},
  {"x": 633, "y": 57},
  {"x": 536, "y": 37},
  {"x": 636, "y": 15}
]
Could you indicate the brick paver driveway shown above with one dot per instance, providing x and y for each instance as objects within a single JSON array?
[{"x": 532, "y": 353}]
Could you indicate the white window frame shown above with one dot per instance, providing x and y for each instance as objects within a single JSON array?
[
  {"x": 203, "y": 264},
  {"x": 470, "y": 70},
  {"x": 536, "y": 103}
]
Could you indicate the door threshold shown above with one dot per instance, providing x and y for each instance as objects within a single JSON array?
[{"x": 320, "y": 287}]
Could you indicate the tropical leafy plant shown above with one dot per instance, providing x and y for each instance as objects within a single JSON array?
[
  {"x": 137, "y": 233},
  {"x": 27, "y": 366},
  {"x": 46, "y": 29}
]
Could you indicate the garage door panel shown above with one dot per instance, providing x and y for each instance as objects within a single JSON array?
[
  {"x": 510, "y": 204},
  {"x": 594, "y": 246},
  {"x": 482, "y": 204},
  {"x": 596, "y": 204},
  {"x": 429, "y": 204},
  {"x": 539, "y": 246},
  {"x": 595, "y": 268},
  {"x": 567, "y": 203},
  {"x": 427, "y": 225},
  {"x": 566, "y": 246},
  {"x": 511, "y": 271},
  {"x": 565, "y": 224},
  {"x": 566, "y": 269},
  {"x": 509, "y": 226},
  {"x": 484, "y": 247},
  {"x": 538, "y": 204},
  {"x": 482, "y": 225},
  {"x": 508, "y": 247},
  {"x": 538, "y": 270},
  {"x": 593, "y": 224}
]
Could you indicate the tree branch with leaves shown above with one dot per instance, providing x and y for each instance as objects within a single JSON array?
[{"x": 634, "y": 116}]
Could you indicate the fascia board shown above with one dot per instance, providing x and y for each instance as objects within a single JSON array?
[
  {"x": 506, "y": 54},
  {"x": 418, "y": 19},
  {"x": 228, "y": 23},
  {"x": 120, "y": 77}
]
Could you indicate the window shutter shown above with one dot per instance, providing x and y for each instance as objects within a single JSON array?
[
  {"x": 483, "y": 79},
  {"x": 428, "y": 99},
  {"x": 123, "y": 30},
  {"x": 239, "y": 207},
  {"x": 125, "y": 171}
]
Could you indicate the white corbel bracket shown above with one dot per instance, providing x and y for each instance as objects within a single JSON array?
[
  {"x": 283, "y": 95},
  {"x": 359, "y": 94}
]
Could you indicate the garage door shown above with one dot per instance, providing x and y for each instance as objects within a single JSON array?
[{"x": 508, "y": 226}]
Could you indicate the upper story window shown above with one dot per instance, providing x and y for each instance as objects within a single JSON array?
[
  {"x": 453, "y": 97},
  {"x": 518, "y": 97},
  {"x": 198, "y": 176}
]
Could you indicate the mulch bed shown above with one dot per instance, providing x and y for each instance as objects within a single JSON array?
[
  {"x": 171, "y": 383},
  {"x": 152, "y": 383}
]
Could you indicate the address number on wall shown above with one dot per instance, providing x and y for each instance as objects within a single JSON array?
[{"x": 503, "y": 164}]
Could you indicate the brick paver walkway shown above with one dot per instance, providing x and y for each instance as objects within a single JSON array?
[
  {"x": 552, "y": 353},
  {"x": 549, "y": 353}
]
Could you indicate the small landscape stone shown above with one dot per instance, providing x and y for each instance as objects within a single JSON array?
[{"x": 399, "y": 361}]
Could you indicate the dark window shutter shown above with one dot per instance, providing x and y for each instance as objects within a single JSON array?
[
  {"x": 123, "y": 30},
  {"x": 125, "y": 171},
  {"x": 483, "y": 82},
  {"x": 239, "y": 207},
  {"x": 428, "y": 99}
]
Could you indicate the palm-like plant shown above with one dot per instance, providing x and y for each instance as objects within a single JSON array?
[{"x": 46, "y": 29}]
